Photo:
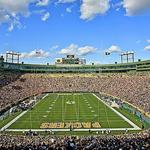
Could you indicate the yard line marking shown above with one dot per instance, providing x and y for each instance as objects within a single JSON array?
[
  {"x": 69, "y": 94},
  {"x": 30, "y": 120},
  {"x": 52, "y": 108},
  {"x": 71, "y": 116},
  {"x": 65, "y": 107},
  {"x": 19, "y": 116},
  {"x": 78, "y": 108},
  {"x": 107, "y": 116},
  {"x": 12, "y": 121},
  {"x": 75, "y": 108},
  {"x": 62, "y": 109},
  {"x": 87, "y": 116},
  {"x": 118, "y": 113},
  {"x": 86, "y": 102},
  {"x": 89, "y": 106}
]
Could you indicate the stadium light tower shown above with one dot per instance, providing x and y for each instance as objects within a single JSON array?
[
  {"x": 127, "y": 56},
  {"x": 12, "y": 57}
]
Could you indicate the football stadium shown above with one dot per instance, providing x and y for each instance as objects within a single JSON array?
[
  {"x": 74, "y": 75},
  {"x": 52, "y": 101}
]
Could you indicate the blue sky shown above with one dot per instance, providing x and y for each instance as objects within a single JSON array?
[{"x": 86, "y": 28}]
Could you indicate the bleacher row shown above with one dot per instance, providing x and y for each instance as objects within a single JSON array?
[
  {"x": 16, "y": 85},
  {"x": 131, "y": 88},
  {"x": 139, "y": 141}
]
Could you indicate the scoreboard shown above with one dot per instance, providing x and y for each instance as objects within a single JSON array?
[{"x": 70, "y": 59}]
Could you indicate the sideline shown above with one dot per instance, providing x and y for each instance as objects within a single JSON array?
[
  {"x": 135, "y": 127},
  {"x": 118, "y": 113},
  {"x": 19, "y": 116},
  {"x": 62, "y": 130}
]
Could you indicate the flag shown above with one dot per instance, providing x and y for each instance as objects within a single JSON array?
[{"x": 107, "y": 53}]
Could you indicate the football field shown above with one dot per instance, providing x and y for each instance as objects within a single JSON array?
[{"x": 71, "y": 111}]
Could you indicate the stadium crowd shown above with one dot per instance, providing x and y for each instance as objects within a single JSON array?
[
  {"x": 135, "y": 89},
  {"x": 139, "y": 141},
  {"x": 132, "y": 88}
]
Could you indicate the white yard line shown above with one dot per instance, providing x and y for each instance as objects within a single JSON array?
[
  {"x": 45, "y": 96},
  {"x": 12, "y": 121},
  {"x": 78, "y": 108},
  {"x": 135, "y": 127},
  {"x": 107, "y": 116},
  {"x": 69, "y": 94},
  {"x": 65, "y": 106},
  {"x": 75, "y": 108},
  {"x": 62, "y": 109},
  {"x": 119, "y": 114},
  {"x": 16, "y": 118}
]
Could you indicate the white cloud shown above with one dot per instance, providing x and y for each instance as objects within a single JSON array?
[
  {"x": 45, "y": 16},
  {"x": 11, "y": 27},
  {"x": 148, "y": 41},
  {"x": 37, "y": 53},
  {"x": 43, "y": 2},
  {"x": 13, "y": 7},
  {"x": 11, "y": 10},
  {"x": 71, "y": 49},
  {"x": 66, "y": 1},
  {"x": 113, "y": 49},
  {"x": 69, "y": 10},
  {"x": 90, "y": 8},
  {"x": 117, "y": 6},
  {"x": 134, "y": 7},
  {"x": 4, "y": 17},
  {"x": 74, "y": 49},
  {"x": 86, "y": 50},
  {"x": 147, "y": 48},
  {"x": 54, "y": 47},
  {"x": 39, "y": 11}
]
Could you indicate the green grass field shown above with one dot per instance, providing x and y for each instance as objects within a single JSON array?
[{"x": 70, "y": 108}]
